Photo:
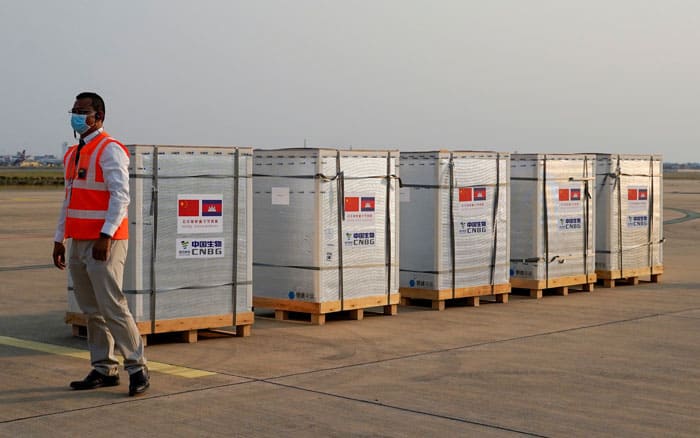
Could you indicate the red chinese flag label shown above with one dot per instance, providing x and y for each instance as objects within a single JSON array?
[
  {"x": 352, "y": 203},
  {"x": 632, "y": 194},
  {"x": 563, "y": 194},
  {"x": 465, "y": 194},
  {"x": 188, "y": 207}
]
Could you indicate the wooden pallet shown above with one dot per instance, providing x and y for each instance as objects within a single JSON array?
[
  {"x": 558, "y": 285},
  {"x": 439, "y": 297},
  {"x": 317, "y": 312},
  {"x": 630, "y": 276},
  {"x": 187, "y": 328}
]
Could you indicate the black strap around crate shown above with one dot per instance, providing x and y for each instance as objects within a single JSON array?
[
  {"x": 154, "y": 237},
  {"x": 190, "y": 287},
  {"x": 546, "y": 221},
  {"x": 494, "y": 224},
  {"x": 340, "y": 188},
  {"x": 387, "y": 229},
  {"x": 453, "y": 251},
  {"x": 586, "y": 179},
  {"x": 650, "y": 220},
  {"x": 618, "y": 181},
  {"x": 586, "y": 216},
  {"x": 236, "y": 199}
]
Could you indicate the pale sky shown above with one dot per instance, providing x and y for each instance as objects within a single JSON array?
[{"x": 521, "y": 75}]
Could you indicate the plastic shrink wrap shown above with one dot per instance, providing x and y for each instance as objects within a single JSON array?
[
  {"x": 326, "y": 227},
  {"x": 455, "y": 218},
  {"x": 629, "y": 214},
  {"x": 190, "y": 229},
  {"x": 553, "y": 225}
]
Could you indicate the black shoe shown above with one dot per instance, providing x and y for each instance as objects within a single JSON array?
[
  {"x": 95, "y": 380},
  {"x": 139, "y": 382}
]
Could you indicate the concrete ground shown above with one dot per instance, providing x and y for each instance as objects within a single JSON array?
[{"x": 614, "y": 362}]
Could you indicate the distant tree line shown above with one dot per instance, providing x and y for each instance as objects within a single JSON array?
[{"x": 679, "y": 166}]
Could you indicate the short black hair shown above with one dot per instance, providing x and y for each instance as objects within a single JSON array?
[{"x": 98, "y": 104}]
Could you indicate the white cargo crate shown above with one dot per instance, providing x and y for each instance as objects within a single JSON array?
[
  {"x": 326, "y": 230},
  {"x": 629, "y": 217},
  {"x": 553, "y": 225},
  {"x": 454, "y": 225},
  {"x": 189, "y": 264}
]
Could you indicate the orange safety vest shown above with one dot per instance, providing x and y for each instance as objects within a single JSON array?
[{"x": 87, "y": 191}]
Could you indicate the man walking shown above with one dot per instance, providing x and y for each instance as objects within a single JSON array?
[{"x": 93, "y": 215}]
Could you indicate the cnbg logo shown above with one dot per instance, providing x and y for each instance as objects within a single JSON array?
[
  {"x": 637, "y": 221},
  {"x": 570, "y": 223},
  {"x": 199, "y": 248},
  {"x": 472, "y": 227},
  {"x": 207, "y": 247},
  {"x": 359, "y": 238}
]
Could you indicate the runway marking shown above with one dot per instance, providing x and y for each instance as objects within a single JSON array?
[
  {"x": 24, "y": 268},
  {"x": 24, "y": 199},
  {"x": 173, "y": 370},
  {"x": 689, "y": 215}
]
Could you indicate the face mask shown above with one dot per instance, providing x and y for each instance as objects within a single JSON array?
[{"x": 78, "y": 123}]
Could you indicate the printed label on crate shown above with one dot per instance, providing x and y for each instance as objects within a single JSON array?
[
  {"x": 421, "y": 284},
  {"x": 280, "y": 195},
  {"x": 521, "y": 271},
  {"x": 200, "y": 214},
  {"x": 300, "y": 295},
  {"x": 568, "y": 198},
  {"x": 638, "y": 198},
  {"x": 199, "y": 248},
  {"x": 468, "y": 227},
  {"x": 572, "y": 223},
  {"x": 471, "y": 198},
  {"x": 359, "y": 208},
  {"x": 355, "y": 239},
  {"x": 638, "y": 221}
]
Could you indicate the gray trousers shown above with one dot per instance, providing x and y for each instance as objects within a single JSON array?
[{"x": 98, "y": 291}]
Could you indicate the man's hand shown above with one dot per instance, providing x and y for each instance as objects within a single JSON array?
[
  {"x": 59, "y": 255},
  {"x": 100, "y": 250}
]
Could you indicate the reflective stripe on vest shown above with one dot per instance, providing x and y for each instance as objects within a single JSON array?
[
  {"x": 88, "y": 200},
  {"x": 86, "y": 214}
]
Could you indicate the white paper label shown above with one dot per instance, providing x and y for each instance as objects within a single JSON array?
[
  {"x": 473, "y": 200},
  {"x": 200, "y": 214},
  {"x": 280, "y": 196},
  {"x": 638, "y": 199},
  {"x": 359, "y": 208},
  {"x": 568, "y": 198}
]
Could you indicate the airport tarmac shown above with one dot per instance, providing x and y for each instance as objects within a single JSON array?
[{"x": 613, "y": 362}]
